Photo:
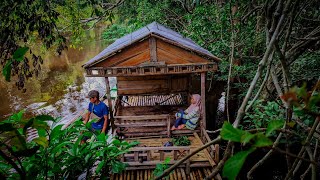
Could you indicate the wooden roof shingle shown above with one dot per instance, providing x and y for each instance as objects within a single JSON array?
[{"x": 155, "y": 29}]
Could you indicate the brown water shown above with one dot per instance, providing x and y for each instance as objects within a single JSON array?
[{"x": 61, "y": 87}]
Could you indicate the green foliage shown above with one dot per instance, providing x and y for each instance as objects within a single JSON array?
[
  {"x": 273, "y": 125},
  {"x": 116, "y": 31},
  {"x": 257, "y": 140},
  {"x": 305, "y": 107},
  {"x": 29, "y": 25},
  {"x": 57, "y": 153},
  {"x": 262, "y": 113},
  {"x": 181, "y": 141},
  {"x": 234, "y": 164},
  {"x": 160, "y": 168},
  {"x": 228, "y": 132}
]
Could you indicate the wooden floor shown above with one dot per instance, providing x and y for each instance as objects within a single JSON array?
[{"x": 177, "y": 174}]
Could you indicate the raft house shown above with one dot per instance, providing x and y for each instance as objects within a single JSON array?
[{"x": 154, "y": 67}]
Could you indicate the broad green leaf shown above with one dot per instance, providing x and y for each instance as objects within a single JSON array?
[
  {"x": 87, "y": 157},
  {"x": 40, "y": 124},
  {"x": 274, "y": 125},
  {"x": 88, "y": 125},
  {"x": 42, "y": 132},
  {"x": 4, "y": 166},
  {"x": 167, "y": 160},
  {"x": 234, "y": 164},
  {"x": 97, "y": 144},
  {"x": 27, "y": 152},
  {"x": 6, "y": 71},
  {"x": 20, "y": 130},
  {"x": 117, "y": 166},
  {"x": 76, "y": 146},
  {"x": 261, "y": 140},
  {"x": 18, "y": 116},
  {"x": 42, "y": 141},
  {"x": 101, "y": 137},
  {"x": 45, "y": 118},
  {"x": 116, "y": 142},
  {"x": 7, "y": 127},
  {"x": 60, "y": 146},
  {"x": 27, "y": 125},
  {"x": 56, "y": 131},
  {"x": 246, "y": 137},
  {"x": 19, "y": 140},
  {"x": 100, "y": 166},
  {"x": 230, "y": 133},
  {"x": 19, "y": 53},
  {"x": 314, "y": 100}
]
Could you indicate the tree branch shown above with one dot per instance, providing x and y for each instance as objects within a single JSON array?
[
  {"x": 261, "y": 65},
  {"x": 310, "y": 135},
  {"x": 221, "y": 163},
  {"x": 167, "y": 171},
  {"x": 261, "y": 161}
]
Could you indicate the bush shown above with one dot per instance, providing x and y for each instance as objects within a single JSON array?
[
  {"x": 57, "y": 153},
  {"x": 181, "y": 141}
]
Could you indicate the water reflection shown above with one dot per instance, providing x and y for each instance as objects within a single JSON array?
[{"x": 61, "y": 87}]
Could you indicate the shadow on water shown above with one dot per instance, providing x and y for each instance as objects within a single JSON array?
[{"x": 61, "y": 87}]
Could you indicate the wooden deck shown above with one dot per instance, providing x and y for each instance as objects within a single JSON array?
[
  {"x": 177, "y": 174},
  {"x": 201, "y": 164},
  {"x": 200, "y": 159}
]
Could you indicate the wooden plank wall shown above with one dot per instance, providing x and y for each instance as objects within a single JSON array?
[
  {"x": 152, "y": 84},
  {"x": 151, "y": 50},
  {"x": 130, "y": 56},
  {"x": 171, "y": 54}
]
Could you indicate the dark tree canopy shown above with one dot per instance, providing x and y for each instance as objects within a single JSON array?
[{"x": 29, "y": 25}]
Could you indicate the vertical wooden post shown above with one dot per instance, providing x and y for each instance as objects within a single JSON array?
[
  {"x": 189, "y": 88},
  {"x": 109, "y": 103},
  {"x": 153, "y": 49},
  {"x": 188, "y": 167},
  {"x": 161, "y": 155},
  {"x": 203, "y": 99}
]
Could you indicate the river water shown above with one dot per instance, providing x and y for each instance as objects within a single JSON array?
[{"x": 61, "y": 87}]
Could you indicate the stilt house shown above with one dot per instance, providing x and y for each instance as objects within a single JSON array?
[{"x": 154, "y": 66}]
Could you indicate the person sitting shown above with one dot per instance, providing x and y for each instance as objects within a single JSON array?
[
  {"x": 100, "y": 109},
  {"x": 189, "y": 118}
]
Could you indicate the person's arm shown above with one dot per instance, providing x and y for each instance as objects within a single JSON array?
[
  {"x": 105, "y": 124},
  {"x": 87, "y": 117},
  {"x": 190, "y": 115}
]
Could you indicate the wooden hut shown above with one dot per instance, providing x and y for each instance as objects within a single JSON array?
[{"x": 154, "y": 66}]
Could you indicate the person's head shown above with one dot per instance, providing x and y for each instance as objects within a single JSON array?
[
  {"x": 94, "y": 96},
  {"x": 195, "y": 99}
]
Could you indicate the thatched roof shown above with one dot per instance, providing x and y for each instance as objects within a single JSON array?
[{"x": 151, "y": 29}]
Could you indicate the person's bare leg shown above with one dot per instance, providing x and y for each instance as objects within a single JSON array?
[{"x": 173, "y": 128}]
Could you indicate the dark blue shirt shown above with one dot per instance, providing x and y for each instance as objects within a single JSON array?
[{"x": 100, "y": 110}]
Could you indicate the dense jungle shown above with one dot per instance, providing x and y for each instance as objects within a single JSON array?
[{"x": 269, "y": 75}]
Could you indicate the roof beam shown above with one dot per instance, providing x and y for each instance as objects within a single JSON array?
[{"x": 153, "y": 49}]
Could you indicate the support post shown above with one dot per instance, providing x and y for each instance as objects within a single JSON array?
[
  {"x": 203, "y": 99},
  {"x": 109, "y": 103},
  {"x": 153, "y": 49}
]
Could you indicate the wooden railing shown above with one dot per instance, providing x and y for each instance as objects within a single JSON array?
[
  {"x": 213, "y": 149},
  {"x": 149, "y": 157},
  {"x": 150, "y": 70},
  {"x": 144, "y": 123}
]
